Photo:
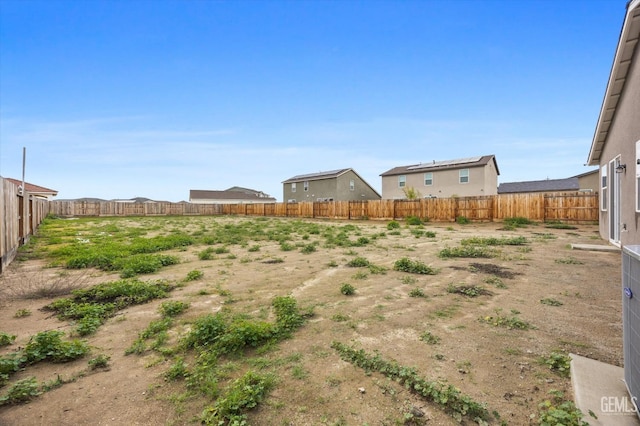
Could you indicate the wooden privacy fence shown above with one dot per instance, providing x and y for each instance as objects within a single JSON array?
[
  {"x": 20, "y": 216},
  {"x": 568, "y": 207}
]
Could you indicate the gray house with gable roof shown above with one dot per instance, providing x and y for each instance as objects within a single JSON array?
[{"x": 334, "y": 185}]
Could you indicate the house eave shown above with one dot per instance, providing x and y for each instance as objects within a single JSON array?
[{"x": 629, "y": 36}]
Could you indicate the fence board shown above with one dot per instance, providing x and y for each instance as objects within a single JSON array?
[
  {"x": 20, "y": 217},
  {"x": 575, "y": 207}
]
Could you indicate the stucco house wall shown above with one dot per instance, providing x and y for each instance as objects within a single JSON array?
[
  {"x": 328, "y": 186},
  {"x": 616, "y": 140},
  {"x": 589, "y": 182}
]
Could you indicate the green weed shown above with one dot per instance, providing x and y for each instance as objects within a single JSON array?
[
  {"x": 21, "y": 391},
  {"x": 194, "y": 275},
  {"x": 413, "y": 267},
  {"x": 510, "y": 322},
  {"x": 558, "y": 363},
  {"x": 6, "y": 339},
  {"x": 430, "y": 338},
  {"x": 417, "y": 292},
  {"x": 347, "y": 289},
  {"x": 447, "y": 396},
  {"x": 551, "y": 302},
  {"x": 467, "y": 252}
]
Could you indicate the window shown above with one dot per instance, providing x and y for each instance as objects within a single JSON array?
[
  {"x": 402, "y": 181},
  {"x": 603, "y": 188},
  {"x": 293, "y": 187},
  {"x": 306, "y": 185},
  {"x": 428, "y": 179},
  {"x": 464, "y": 175},
  {"x": 352, "y": 185},
  {"x": 638, "y": 176}
]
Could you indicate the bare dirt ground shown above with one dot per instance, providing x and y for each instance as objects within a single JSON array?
[{"x": 495, "y": 365}]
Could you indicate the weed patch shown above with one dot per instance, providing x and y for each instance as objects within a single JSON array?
[
  {"x": 92, "y": 306},
  {"x": 447, "y": 396},
  {"x": 468, "y": 290},
  {"x": 559, "y": 363},
  {"x": 6, "y": 338},
  {"x": 347, "y": 289},
  {"x": 492, "y": 241},
  {"x": 511, "y": 322},
  {"x": 559, "y": 411},
  {"x": 417, "y": 292},
  {"x": 551, "y": 302},
  {"x": 430, "y": 338},
  {"x": 467, "y": 251},
  {"x": 413, "y": 266}
]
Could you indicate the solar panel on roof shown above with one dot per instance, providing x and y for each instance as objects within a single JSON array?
[{"x": 445, "y": 163}]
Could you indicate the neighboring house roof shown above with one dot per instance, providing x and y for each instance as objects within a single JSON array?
[
  {"x": 318, "y": 176},
  {"x": 548, "y": 185},
  {"x": 460, "y": 163},
  {"x": 622, "y": 61},
  {"x": 34, "y": 189},
  {"x": 250, "y": 191},
  {"x": 85, "y": 200},
  {"x": 590, "y": 172},
  {"x": 198, "y": 194}
]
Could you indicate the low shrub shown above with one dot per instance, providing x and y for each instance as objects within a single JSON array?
[
  {"x": 467, "y": 251},
  {"x": 394, "y": 224},
  {"x": 413, "y": 220},
  {"x": 172, "y": 308},
  {"x": 413, "y": 266},
  {"x": 194, "y": 275},
  {"x": 358, "y": 262},
  {"x": 6, "y": 339},
  {"x": 347, "y": 289},
  {"x": 417, "y": 292},
  {"x": 21, "y": 391}
]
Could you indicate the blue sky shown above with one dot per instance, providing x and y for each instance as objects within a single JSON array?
[{"x": 118, "y": 99}]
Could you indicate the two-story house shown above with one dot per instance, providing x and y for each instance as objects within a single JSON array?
[
  {"x": 464, "y": 177},
  {"x": 334, "y": 185}
]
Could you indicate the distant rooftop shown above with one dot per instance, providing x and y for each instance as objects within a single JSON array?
[
  {"x": 548, "y": 185},
  {"x": 317, "y": 176},
  {"x": 458, "y": 163}
]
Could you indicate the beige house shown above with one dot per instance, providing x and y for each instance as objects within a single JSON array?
[
  {"x": 334, "y": 185},
  {"x": 589, "y": 181},
  {"x": 616, "y": 142},
  {"x": 464, "y": 177}
]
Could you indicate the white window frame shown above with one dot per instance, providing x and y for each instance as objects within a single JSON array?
[
  {"x": 293, "y": 187},
  {"x": 463, "y": 176},
  {"x": 428, "y": 177},
  {"x": 352, "y": 185},
  {"x": 604, "y": 199},
  {"x": 306, "y": 185},
  {"x": 402, "y": 181},
  {"x": 638, "y": 176}
]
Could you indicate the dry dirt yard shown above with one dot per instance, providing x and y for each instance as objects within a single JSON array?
[{"x": 412, "y": 319}]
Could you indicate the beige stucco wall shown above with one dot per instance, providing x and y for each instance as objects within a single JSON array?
[
  {"x": 590, "y": 182},
  {"x": 623, "y": 134},
  {"x": 446, "y": 183}
]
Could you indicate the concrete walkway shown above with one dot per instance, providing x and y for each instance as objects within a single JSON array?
[
  {"x": 599, "y": 387},
  {"x": 595, "y": 247}
]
